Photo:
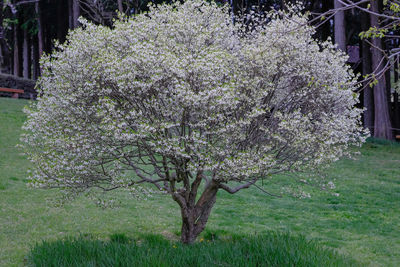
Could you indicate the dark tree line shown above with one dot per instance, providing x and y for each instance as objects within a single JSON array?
[{"x": 28, "y": 29}]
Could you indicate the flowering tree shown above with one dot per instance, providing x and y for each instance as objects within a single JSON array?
[{"x": 182, "y": 100}]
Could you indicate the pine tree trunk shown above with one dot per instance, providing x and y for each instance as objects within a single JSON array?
[
  {"x": 4, "y": 51},
  {"x": 382, "y": 125},
  {"x": 396, "y": 117},
  {"x": 340, "y": 27},
  {"x": 40, "y": 29},
  {"x": 366, "y": 69},
  {"x": 75, "y": 13},
  {"x": 25, "y": 55},
  {"x": 70, "y": 17},
  {"x": 16, "y": 60}
]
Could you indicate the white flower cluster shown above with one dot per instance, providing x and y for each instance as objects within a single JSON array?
[{"x": 165, "y": 94}]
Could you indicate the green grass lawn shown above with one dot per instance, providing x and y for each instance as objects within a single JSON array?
[{"x": 362, "y": 223}]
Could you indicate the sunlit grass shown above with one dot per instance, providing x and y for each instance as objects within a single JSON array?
[{"x": 361, "y": 223}]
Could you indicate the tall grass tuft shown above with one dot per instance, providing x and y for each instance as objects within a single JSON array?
[{"x": 273, "y": 249}]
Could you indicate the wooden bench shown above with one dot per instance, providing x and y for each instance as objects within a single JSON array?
[{"x": 15, "y": 92}]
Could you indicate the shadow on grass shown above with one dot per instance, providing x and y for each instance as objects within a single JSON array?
[
  {"x": 383, "y": 142},
  {"x": 273, "y": 249}
]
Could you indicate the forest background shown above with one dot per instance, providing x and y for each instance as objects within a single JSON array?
[{"x": 368, "y": 30}]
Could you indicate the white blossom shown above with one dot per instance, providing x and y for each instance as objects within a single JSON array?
[{"x": 163, "y": 95}]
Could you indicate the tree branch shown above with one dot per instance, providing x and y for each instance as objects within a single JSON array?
[{"x": 238, "y": 188}]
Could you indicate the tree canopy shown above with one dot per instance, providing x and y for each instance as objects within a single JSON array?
[
  {"x": 182, "y": 99},
  {"x": 366, "y": 29}
]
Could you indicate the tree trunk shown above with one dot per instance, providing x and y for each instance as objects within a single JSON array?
[
  {"x": 382, "y": 125},
  {"x": 396, "y": 117},
  {"x": 38, "y": 43},
  {"x": 366, "y": 69},
  {"x": 40, "y": 29},
  {"x": 75, "y": 13},
  {"x": 340, "y": 27},
  {"x": 16, "y": 60},
  {"x": 4, "y": 51},
  {"x": 35, "y": 59},
  {"x": 187, "y": 231},
  {"x": 120, "y": 7},
  {"x": 195, "y": 217},
  {"x": 70, "y": 17},
  {"x": 25, "y": 55}
]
